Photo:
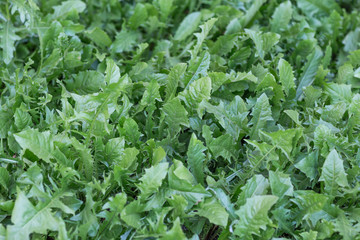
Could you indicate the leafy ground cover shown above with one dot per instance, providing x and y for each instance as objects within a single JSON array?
[{"x": 179, "y": 119}]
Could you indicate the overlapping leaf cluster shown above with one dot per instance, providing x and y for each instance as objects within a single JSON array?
[{"x": 180, "y": 119}]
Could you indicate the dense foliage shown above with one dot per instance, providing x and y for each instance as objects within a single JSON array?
[{"x": 175, "y": 119}]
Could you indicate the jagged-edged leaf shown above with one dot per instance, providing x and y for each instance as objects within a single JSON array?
[
  {"x": 28, "y": 219},
  {"x": 175, "y": 232},
  {"x": 280, "y": 184},
  {"x": 253, "y": 216},
  {"x": 173, "y": 80},
  {"x": 196, "y": 158},
  {"x": 333, "y": 173},
  {"x": 175, "y": 115},
  {"x": 196, "y": 92},
  {"x": 198, "y": 67},
  {"x": 263, "y": 41},
  {"x": 214, "y": 211},
  {"x": 8, "y": 38},
  {"x": 205, "y": 29},
  {"x": 86, "y": 82},
  {"x": 261, "y": 114},
  {"x": 281, "y": 17},
  {"x": 232, "y": 116},
  {"x": 6, "y": 119},
  {"x": 309, "y": 71},
  {"x": 286, "y": 76},
  {"x": 39, "y": 143},
  {"x": 152, "y": 179},
  {"x": 257, "y": 185}
]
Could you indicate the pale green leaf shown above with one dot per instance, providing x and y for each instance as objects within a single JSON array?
[
  {"x": 196, "y": 158},
  {"x": 188, "y": 25}
]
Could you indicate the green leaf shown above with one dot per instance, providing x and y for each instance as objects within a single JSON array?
[
  {"x": 281, "y": 17},
  {"x": 175, "y": 232},
  {"x": 286, "y": 76},
  {"x": 124, "y": 42},
  {"x": 139, "y": 16},
  {"x": 112, "y": 72},
  {"x": 280, "y": 184},
  {"x": 309, "y": 71},
  {"x": 309, "y": 165},
  {"x": 197, "y": 91},
  {"x": 39, "y": 143},
  {"x": 257, "y": 185},
  {"x": 86, "y": 82},
  {"x": 67, "y": 7},
  {"x": 251, "y": 12},
  {"x": 261, "y": 115},
  {"x": 196, "y": 158},
  {"x": 28, "y": 219},
  {"x": 333, "y": 173},
  {"x": 175, "y": 115},
  {"x": 197, "y": 68},
  {"x": 4, "y": 178},
  {"x": 6, "y": 122},
  {"x": 253, "y": 216},
  {"x": 188, "y": 25},
  {"x": 231, "y": 116},
  {"x": 152, "y": 179},
  {"x": 99, "y": 37},
  {"x": 284, "y": 140},
  {"x": 8, "y": 38},
  {"x": 263, "y": 41},
  {"x": 214, "y": 211},
  {"x": 308, "y": 202},
  {"x": 339, "y": 92},
  {"x": 173, "y": 80},
  {"x": 205, "y": 29}
]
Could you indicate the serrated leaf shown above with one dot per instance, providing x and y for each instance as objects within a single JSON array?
[
  {"x": 214, "y": 211},
  {"x": 253, "y": 216},
  {"x": 261, "y": 115},
  {"x": 152, "y": 179},
  {"x": 280, "y": 184},
  {"x": 309, "y": 71},
  {"x": 40, "y": 143},
  {"x": 8, "y": 38},
  {"x": 333, "y": 173},
  {"x": 196, "y": 158},
  {"x": 281, "y": 17},
  {"x": 286, "y": 76}
]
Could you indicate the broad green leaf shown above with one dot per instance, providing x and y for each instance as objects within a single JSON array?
[
  {"x": 99, "y": 37},
  {"x": 257, "y": 185},
  {"x": 188, "y": 25},
  {"x": 333, "y": 173},
  {"x": 281, "y": 17},
  {"x": 309, "y": 71},
  {"x": 286, "y": 76},
  {"x": 196, "y": 158},
  {"x": 86, "y": 82},
  {"x": 280, "y": 184},
  {"x": 131, "y": 131},
  {"x": 253, "y": 216},
  {"x": 139, "y": 16},
  {"x": 309, "y": 165},
  {"x": 39, "y": 143},
  {"x": 152, "y": 179},
  {"x": 214, "y": 211},
  {"x": 339, "y": 92},
  {"x": 313, "y": 7},
  {"x": 4, "y": 178},
  {"x": 261, "y": 115},
  {"x": 131, "y": 214},
  {"x": 112, "y": 72},
  {"x": 125, "y": 41},
  {"x": 196, "y": 92},
  {"x": 175, "y": 115},
  {"x": 223, "y": 146},
  {"x": 29, "y": 219},
  {"x": 308, "y": 202},
  {"x": 67, "y": 7},
  {"x": 284, "y": 140}
]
